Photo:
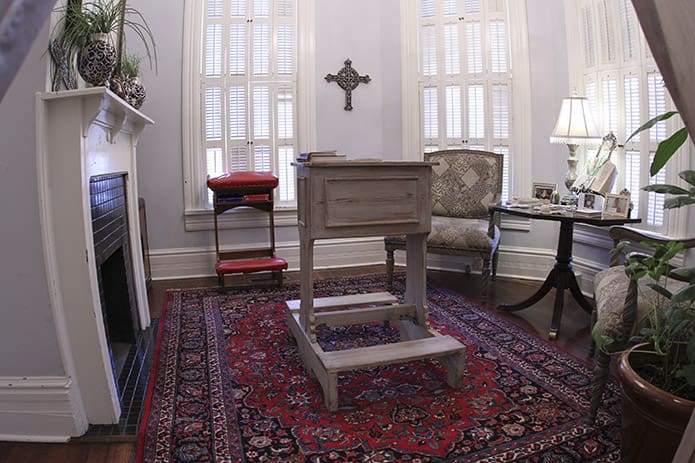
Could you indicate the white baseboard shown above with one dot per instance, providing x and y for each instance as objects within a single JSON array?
[
  {"x": 200, "y": 262},
  {"x": 514, "y": 262},
  {"x": 39, "y": 409}
]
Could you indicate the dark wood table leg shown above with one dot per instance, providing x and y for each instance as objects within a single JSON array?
[
  {"x": 547, "y": 285},
  {"x": 561, "y": 277}
]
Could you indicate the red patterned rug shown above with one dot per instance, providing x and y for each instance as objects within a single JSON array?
[{"x": 228, "y": 386}]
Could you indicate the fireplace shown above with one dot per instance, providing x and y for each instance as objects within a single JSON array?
[
  {"x": 87, "y": 150},
  {"x": 114, "y": 267}
]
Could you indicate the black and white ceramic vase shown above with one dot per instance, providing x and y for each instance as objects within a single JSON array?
[
  {"x": 135, "y": 92},
  {"x": 97, "y": 60}
]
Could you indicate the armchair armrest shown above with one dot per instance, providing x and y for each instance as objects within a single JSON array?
[{"x": 620, "y": 233}]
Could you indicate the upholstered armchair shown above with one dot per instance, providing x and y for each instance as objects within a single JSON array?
[
  {"x": 464, "y": 184},
  {"x": 621, "y": 306}
]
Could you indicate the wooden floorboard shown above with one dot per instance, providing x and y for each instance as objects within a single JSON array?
[{"x": 574, "y": 337}]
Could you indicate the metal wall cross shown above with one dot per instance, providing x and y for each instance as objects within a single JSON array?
[{"x": 348, "y": 79}]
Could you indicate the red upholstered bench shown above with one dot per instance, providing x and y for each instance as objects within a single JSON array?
[
  {"x": 241, "y": 182},
  {"x": 227, "y": 267},
  {"x": 246, "y": 189}
]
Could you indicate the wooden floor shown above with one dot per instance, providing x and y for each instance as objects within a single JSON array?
[{"x": 574, "y": 337}]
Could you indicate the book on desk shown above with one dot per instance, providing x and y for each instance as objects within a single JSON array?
[{"x": 321, "y": 156}]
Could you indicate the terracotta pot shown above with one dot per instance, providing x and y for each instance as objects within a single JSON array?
[{"x": 653, "y": 420}]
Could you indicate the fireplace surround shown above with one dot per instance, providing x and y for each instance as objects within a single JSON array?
[{"x": 81, "y": 135}]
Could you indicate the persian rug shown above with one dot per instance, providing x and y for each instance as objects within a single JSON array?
[{"x": 228, "y": 385}]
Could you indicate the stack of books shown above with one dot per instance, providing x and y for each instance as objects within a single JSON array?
[
  {"x": 321, "y": 156},
  {"x": 585, "y": 212}
]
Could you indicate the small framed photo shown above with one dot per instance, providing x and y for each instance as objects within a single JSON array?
[
  {"x": 616, "y": 206},
  {"x": 543, "y": 191},
  {"x": 590, "y": 201}
]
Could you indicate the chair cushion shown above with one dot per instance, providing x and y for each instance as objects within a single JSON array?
[
  {"x": 610, "y": 288},
  {"x": 464, "y": 185},
  {"x": 456, "y": 234}
]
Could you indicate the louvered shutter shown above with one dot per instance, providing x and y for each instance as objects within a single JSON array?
[
  {"x": 625, "y": 90},
  {"x": 465, "y": 76},
  {"x": 248, "y": 88}
]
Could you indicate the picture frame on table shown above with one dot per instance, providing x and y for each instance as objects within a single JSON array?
[
  {"x": 543, "y": 191},
  {"x": 590, "y": 201},
  {"x": 616, "y": 206}
]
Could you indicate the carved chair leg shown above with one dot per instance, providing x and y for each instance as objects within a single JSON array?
[
  {"x": 598, "y": 383},
  {"x": 594, "y": 316},
  {"x": 495, "y": 257},
  {"x": 220, "y": 280},
  {"x": 485, "y": 280},
  {"x": 389, "y": 269}
]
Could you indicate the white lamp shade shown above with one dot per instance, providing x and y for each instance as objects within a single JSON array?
[{"x": 575, "y": 126}]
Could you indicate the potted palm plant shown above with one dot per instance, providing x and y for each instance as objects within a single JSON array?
[
  {"x": 85, "y": 32},
  {"x": 657, "y": 374}
]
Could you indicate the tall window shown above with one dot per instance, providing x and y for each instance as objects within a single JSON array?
[
  {"x": 248, "y": 91},
  {"x": 625, "y": 88},
  {"x": 465, "y": 77}
]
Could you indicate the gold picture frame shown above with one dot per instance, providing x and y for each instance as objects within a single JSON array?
[
  {"x": 617, "y": 206},
  {"x": 543, "y": 191}
]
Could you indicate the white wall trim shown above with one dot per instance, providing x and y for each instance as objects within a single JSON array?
[
  {"x": 200, "y": 262},
  {"x": 39, "y": 409},
  {"x": 306, "y": 75},
  {"x": 514, "y": 262},
  {"x": 410, "y": 114},
  {"x": 190, "y": 105},
  {"x": 521, "y": 98}
]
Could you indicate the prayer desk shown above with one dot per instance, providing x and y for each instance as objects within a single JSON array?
[{"x": 341, "y": 199}]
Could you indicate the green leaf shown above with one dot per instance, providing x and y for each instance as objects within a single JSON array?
[
  {"x": 678, "y": 201},
  {"x": 688, "y": 176},
  {"x": 666, "y": 149},
  {"x": 687, "y": 372},
  {"x": 650, "y": 123},
  {"x": 661, "y": 290},
  {"x": 684, "y": 295},
  {"x": 687, "y": 273},
  {"x": 666, "y": 189},
  {"x": 602, "y": 341}
]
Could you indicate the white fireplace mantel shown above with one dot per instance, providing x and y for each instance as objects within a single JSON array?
[{"x": 80, "y": 134}]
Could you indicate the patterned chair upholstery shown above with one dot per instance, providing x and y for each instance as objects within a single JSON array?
[
  {"x": 621, "y": 306},
  {"x": 464, "y": 184}
]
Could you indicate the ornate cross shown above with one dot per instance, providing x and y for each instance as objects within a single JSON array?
[{"x": 348, "y": 79}]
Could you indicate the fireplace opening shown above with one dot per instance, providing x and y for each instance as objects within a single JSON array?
[{"x": 114, "y": 266}]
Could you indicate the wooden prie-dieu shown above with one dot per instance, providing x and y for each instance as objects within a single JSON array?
[
  {"x": 246, "y": 189},
  {"x": 341, "y": 199}
]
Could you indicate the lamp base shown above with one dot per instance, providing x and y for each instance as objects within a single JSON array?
[{"x": 571, "y": 174}]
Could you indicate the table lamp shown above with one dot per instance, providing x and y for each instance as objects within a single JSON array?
[{"x": 574, "y": 126}]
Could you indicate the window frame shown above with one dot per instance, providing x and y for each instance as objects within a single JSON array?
[
  {"x": 520, "y": 137},
  {"x": 197, "y": 212},
  {"x": 640, "y": 65}
]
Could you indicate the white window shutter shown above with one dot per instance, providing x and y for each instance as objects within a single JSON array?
[
  {"x": 430, "y": 114},
  {"x": 452, "y": 52},
  {"x": 474, "y": 48},
  {"x": 588, "y": 43},
  {"x": 633, "y": 178},
  {"x": 465, "y": 77},
  {"x": 453, "y": 112},
  {"x": 498, "y": 46},
  {"x": 476, "y": 111},
  {"x": 625, "y": 89},
  {"x": 248, "y": 89},
  {"x": 609, "y": 95}
]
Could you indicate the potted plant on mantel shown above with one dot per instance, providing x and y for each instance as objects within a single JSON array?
[
  {"x": 83, "y": 39},
  {"x": 657, "y": 374}
]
